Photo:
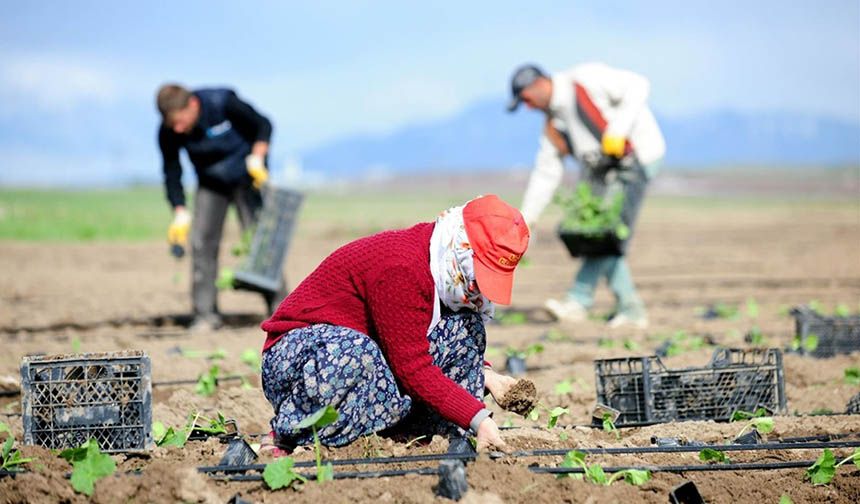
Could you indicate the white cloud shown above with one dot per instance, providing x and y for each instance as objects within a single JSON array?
[{"x": 55, "y": 82}]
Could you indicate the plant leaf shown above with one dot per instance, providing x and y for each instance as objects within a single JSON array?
[
  {"x": 554, "y": 415},
  {"x": 709, "y": 454},
  {"x": 94, "y": 466},
  {"x": 852, "y": 376},
  {"x": 595, "y": 474},
  {"x": 823, "y": 470},
  {"x": 320, "y": 418},
  {"x": 763, "y": 424},
  {"x": 280, "y": 473},
  {"x": 564, "y": 387},
  {"x": 636, "y": 476},
  {"x": 325, "y": 473},
  {"x": 785, "y": 499}
]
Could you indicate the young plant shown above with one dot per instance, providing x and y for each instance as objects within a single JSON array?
[
  {"x": 711, "y": 455},
  {"x": 590, "y": 215},
  {"x": 10, "y": 460},
  {"x": 226, "y": 279},
  {"x": 852, "y": 376},
  {"x": 243, "y": 248},
  {"x": 752, "y": 308},
  {"x": 808, "y": 344},
  {"x": 89, "y": 465},
  {"x": 594, "y": 473},
  {"x": 207, "y": 383},
  {"x": 609, "y": 425},
  {"x": 564, "y": 387},
  {"x": 280, "y": 473},
  {"x": 842, "y": 310},
  {"x": 252, "y": 359},
  {"x": 554, "y": 415},
  {"x": 509, "y": 318},
  {"x": 211, "y": 426},
  {"x": 533, "y": 349},
  {"x": 317, "y": 420},
  {"x": 168, "y": 436},
  {"x": 824, "y": 469},
  {"x": 756, "y": 337},
  {"x": 757, "y": 420}
]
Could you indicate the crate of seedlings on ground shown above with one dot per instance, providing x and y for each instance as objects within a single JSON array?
[
  {"x": 261, "y": 270},
  {"x": 822, "y": 336},
  {"x": 646, "y": 392},
  {"x": 68, "y": 399},
  {"x": 592, "y": 224}
]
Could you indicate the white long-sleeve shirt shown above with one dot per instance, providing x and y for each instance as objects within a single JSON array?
[{"x": 621, "y": 98}]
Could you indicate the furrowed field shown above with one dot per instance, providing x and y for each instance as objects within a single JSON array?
[{"x": 90, "y": 271}]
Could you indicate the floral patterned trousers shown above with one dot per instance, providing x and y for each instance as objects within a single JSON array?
[{"x": 320, "y": 365}]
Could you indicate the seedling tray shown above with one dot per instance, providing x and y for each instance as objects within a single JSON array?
[
  {"x": 68, "y": 399},
  {"x": 261, "y": 270},
  {"x": 645, "y": 392},
  {"x": 582, "y": 245},
  {"x": 836, "y": 335}
]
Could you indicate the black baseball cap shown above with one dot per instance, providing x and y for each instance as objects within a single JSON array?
[{"x": 523, "y": 77}]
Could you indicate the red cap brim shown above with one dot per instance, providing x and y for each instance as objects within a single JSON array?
[{"x": 493, "y": 285}]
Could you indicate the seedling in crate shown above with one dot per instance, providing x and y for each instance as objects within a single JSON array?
[
  {"x": 824, "y": 469},
  {"x": 89, "y": 465},
  {"x": 317, "y": 420},
  {"x": 842, "y": 310},
  {"x": 755, "y": 337},
  {"x": 594, "y": 473},
  {"x": 808, "y": 344},
  {"x": 11, "y": 459},
  {"x": 712, "y": 455},
  {"x": 207, "y": 383},
  {"x": 852, "y": 376},
  {"x": 280, "y": 473}
]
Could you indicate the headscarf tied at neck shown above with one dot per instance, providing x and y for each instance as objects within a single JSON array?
[{"x": 452, "y": 268}]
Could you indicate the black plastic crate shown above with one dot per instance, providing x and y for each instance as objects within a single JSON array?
[
  {"x": 836, "y": 335},
  {"x": 68, "y": 399},
  {"x": 582, "y": 245},
  {"x": 261, "y": 270},
  {"x": 646, "y": 392}
]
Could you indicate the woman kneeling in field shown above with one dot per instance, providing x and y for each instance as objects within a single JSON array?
[{"x": 393, "y": 324}]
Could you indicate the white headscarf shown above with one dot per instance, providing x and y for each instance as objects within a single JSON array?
[{"x": 452, "y": 268}]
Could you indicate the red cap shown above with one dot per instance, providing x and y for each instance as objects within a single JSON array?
[{"x": 499, "y": 237}]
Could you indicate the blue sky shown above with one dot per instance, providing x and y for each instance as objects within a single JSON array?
[{"x": 77, "y": 79}]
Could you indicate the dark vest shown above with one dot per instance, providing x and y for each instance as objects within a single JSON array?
[{"x": 216, "y": 148}]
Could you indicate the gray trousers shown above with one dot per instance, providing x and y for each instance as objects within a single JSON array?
[{"x": 207, "y": 226}]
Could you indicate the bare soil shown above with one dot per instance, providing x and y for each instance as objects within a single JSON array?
[{"x": 60, "y": 299}]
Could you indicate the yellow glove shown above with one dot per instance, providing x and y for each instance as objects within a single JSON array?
[
  {"x": 614, "y": 145},
  {"x": 257, "y": 170},
  {"x": 177, "y": 233}
]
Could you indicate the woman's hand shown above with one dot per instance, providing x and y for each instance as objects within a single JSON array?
[
  {"x": 497, "y": 384},
  {"x": 488, "y": 436}
]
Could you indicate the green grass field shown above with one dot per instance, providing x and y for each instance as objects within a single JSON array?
[{"x": 140, "y": 214}]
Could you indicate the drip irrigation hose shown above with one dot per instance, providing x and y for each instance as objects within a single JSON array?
[
  {"x": 168, "y": 383},
  {"x": 752, "y": 466},
  {"x": 538, "y": 453},
  {"x": 425, "y": 471}
]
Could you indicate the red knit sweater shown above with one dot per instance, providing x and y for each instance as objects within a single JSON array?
[{"x": 381, "y": 286}]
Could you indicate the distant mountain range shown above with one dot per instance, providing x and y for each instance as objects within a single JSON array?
[{"x": 484, "y": 136}]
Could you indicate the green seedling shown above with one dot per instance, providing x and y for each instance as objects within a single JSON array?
[
  {"x": 606, "y": 343},
  {"x": 785, "y": 499},
  {"x": 852, "y": 376},
  {"x": 564, "y": 387},
  {"x": 76, "y": 345},
  {"x": 554, "y": 415},
  {"x": 816, "y": 306},
  {"x": 752, "y": 308},
  {"x": 609, "y": 425},
  {"x": 252, "y": 359},
  {"x": 590, "y": 215},
  {"x": 243, "y": 248},
  {"x": 510, "y": 318},
  {"x": 89, "y": 465},
  {"x": 413, "y": 441},
  {"x": 317, "y": 420},
  {"x": 534, "y": 414},
  {"x": 711, "y": 455},
  {"x": 824, "y": 469},
  {"x": 168, "y": 436},
  {"x": 595, "y": 474},
  {"x": 11, "y": 459},
  {"x": 533, "y": 349},
  {"x": 219, "y": 354},
  {"x": 556, "y": 334},
  {"x": 783, "y": 311},
  {"x": 213, "y": 426},
  {"x": 631, "y": 345},
  {"x": 842, "y": 310},
  {"x": 508, "y": 422},
  {"x": 681, "y": 342},
  {"x": 756, "y": 337},
  {"x": 280, "y": 473},
  {"x": 226, "y": 279},
  {"x": 207, "y": 383},
  {"x": 763, "y": 425},
  {"x": 562, "y": 436},
  {"x": 808, "y": 344}
]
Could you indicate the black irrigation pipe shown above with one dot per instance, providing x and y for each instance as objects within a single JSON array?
[
  {"x": 435, "y": 457},
  {"x": 168, "y": 383},
  {"x": 753, "y": 466},
  {"x": 425, "y": 471}
]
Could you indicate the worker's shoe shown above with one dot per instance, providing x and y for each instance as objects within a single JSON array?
[
  {"x": 624, "y": 320},
  {"x": 206, "y": 323},
  {"x": 568, "y": 310}
]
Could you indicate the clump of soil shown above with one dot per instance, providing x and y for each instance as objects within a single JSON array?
[{"x": 521, "y": 398}]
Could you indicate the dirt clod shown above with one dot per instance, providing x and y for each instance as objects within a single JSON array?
[{"x": 521, "y": 398}]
